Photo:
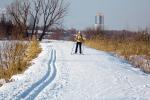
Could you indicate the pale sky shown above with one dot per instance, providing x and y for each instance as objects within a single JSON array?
[{"x": 118, "y": 14}]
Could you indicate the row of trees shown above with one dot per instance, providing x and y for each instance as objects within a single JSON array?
[
  {"x": 31, "y": 14},
  {"x": 5, "y": 27}
]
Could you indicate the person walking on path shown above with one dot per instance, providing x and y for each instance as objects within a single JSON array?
[{"x": 79, "y": 40}]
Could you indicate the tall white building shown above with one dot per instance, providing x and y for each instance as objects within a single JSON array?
[{"x": 99, "y": 21}]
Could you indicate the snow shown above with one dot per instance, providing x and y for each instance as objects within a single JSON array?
[
  {"x": 2, "y": 81},
  {"x": 97, "y": 75},
  {"x": 141, "y": 61}
]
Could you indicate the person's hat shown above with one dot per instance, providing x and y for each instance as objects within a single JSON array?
[{"x": 79, "y": 32}]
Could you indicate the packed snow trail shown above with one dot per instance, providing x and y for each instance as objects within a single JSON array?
[
  {"x": 96, "y": 75},
  {"x": 37, "y": 87}
]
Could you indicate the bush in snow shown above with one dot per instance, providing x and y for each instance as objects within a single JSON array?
[{"x": 15, "y": 56}]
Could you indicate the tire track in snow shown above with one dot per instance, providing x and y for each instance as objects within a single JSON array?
[{"x": 37, "y": 87}]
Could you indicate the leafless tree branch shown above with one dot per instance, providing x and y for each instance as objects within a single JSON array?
[{"x": 53, "y": 12}]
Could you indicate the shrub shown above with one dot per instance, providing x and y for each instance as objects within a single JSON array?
[{"x": 15, "y": 56}]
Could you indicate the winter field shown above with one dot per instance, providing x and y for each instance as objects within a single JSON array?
[{"x": 56, "y": 74}]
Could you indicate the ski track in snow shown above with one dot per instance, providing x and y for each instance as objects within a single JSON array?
[
  {"x": 96, "y": 75},
  {"x": 37, "y": 87},
  {"x": 10, "y": 91},
  {"x": 55, "y": 90}
]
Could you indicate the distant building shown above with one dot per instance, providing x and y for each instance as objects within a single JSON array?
[{"x": 99, "y": 21}]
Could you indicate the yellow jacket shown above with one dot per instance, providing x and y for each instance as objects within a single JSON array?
[{"x": 79, "y": 38}]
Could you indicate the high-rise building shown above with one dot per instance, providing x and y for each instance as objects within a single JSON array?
[{"x": 99, "y": 21}]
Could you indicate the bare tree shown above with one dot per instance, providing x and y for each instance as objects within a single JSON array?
[
  {"x": 35, "y": 14},
  {"x": 19, "y": 12},
  {"x": 53, "y": 13}
]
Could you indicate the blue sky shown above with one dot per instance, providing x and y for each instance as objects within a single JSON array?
[
  {"x": 4, "y": 3},
  {"x": 118, "y": 14}
]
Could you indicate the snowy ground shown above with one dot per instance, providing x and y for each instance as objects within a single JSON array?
[{"x": 96, "y": 75}]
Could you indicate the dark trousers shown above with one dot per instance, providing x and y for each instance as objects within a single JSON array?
[{"x": 78, "y": 44}]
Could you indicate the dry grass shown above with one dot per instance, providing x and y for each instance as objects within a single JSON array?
[
  {"x": 124, "y": 47},
  {"x": 139, "y": 46},
  {"x": 16, "y": 56}
]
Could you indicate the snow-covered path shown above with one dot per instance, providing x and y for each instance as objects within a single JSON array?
[{"x": 96, "y": 75}]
